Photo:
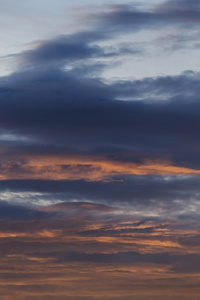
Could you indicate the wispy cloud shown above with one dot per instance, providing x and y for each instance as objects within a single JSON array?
[{"x": 112, "y": 246}]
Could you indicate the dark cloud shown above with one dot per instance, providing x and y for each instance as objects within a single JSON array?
[
  {"x": 64, "y": 48},
  {"x": 132, "y": 190},
  {"x": 17, "y": 212},
  {"x": 122, "y": 18},
  {"x": 182, "y": 6},
  {"x": 182, "y": 263},
  {"x": 159, "y": 117},
  {"x": 111, "y": 230},
  {"x": 131, "y": 120},
  {"x": 193, "y": 241},
  {"x": 76, "y": 51}
]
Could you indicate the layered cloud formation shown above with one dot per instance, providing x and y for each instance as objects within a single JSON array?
[{"x": 99, "y": 178}]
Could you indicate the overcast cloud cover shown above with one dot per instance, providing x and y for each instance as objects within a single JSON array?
[{"x": 99, "y": 150}]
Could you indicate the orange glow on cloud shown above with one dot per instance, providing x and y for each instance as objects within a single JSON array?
[
  {"x": 38, "y": 265},
  {"x": 87, "y": 168}
]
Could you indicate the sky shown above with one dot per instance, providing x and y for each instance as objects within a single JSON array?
[{"x": 99, "y": 150}]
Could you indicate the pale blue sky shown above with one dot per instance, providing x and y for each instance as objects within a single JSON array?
[{"x": 24, "y": 23}]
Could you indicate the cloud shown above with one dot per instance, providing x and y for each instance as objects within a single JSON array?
[
  {"x": 129, "y": 18},
  {"x": 83, "y": 50},
  {"x": 123, "y": 250},
  {"x": 182, "y": 263},
  {"x": 63, "y": 49},
  {"x": 178, "y": 194},
  {"x": 147, "y": 126},
  {"x": 136, "y": 121},
  {"x": 59, "y": 253},
  {"x": 70, "y": 48},
  {"x": 16, "y": 212},
  {"x": 100, "y": 180}
]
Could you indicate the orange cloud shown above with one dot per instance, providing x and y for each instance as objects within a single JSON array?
[
  {"x": 84, "y": 167},
  {"x": 87, "y": 255}
]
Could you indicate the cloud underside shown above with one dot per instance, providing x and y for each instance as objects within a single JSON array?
[
  {"x": 60, "y": 120},
  {"x": 57, "y": 126}
]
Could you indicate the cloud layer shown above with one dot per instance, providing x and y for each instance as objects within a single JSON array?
[
  {"x": 99, "y": 179},
  {"x": 78, "y": 245}
]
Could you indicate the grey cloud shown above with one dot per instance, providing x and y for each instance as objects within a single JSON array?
[
  {"x": 180, "y": 263},
  {"x": 17, "y": 212},
  {"x": 74, "y": 51},
  {"x": 130, "y": 190},
  {"x": 69, "y": 50},
  {"x": 128, "y": 18},
  {"x": 160, "y": 117}
]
